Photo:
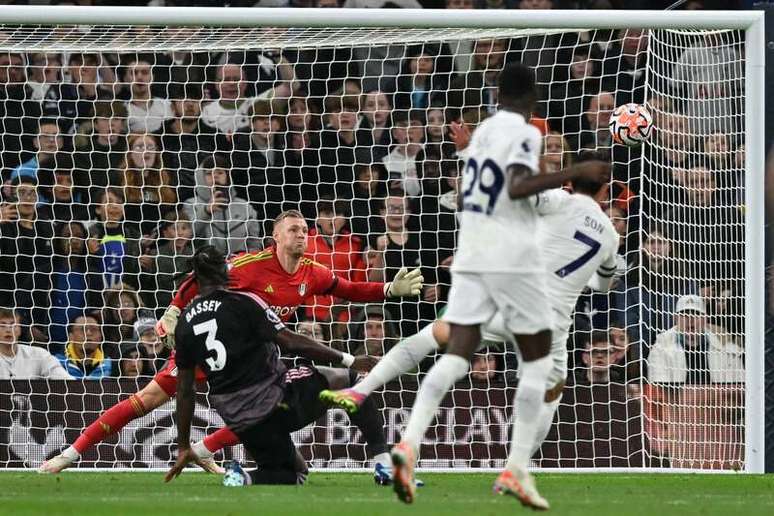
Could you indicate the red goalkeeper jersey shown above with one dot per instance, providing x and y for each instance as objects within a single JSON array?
[{"x": 261, "y": 273}]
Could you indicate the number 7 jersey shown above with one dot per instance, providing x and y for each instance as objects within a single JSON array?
[{"x": 497, "y": 233}]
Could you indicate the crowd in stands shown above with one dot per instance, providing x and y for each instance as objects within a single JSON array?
[{"x": 116, "y": 167}]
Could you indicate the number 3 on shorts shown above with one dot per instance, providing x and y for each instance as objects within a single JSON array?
[{"x": 210, "y": 327}]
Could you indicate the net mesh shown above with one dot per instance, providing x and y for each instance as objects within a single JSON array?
[{"x": 111, "y": 134}]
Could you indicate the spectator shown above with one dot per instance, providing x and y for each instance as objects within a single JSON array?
[
  {"x": 373, "y": 127},
  {"x": 624, "y": 65},
  {"x": 228, "y": 114},
  {"x": 483, "y": 368},
  {"x": 565, "y": 100},
  {"x": 133, "y": 362},
  {"x": 436, "y": 125},
  {"x": 18, "y": 361},
  {"x": 147, "y": 184},
  {"x": 595, "y": 132},
  {"x": 113, "y": 243},
  {"x": 73, "y": 288},
  {"x": 146, "y": 114},
  {"x": 461, "y": 50},
  {"x": 373, "y": 326},
  {"x": 338, "y": 146},
  {"x": 67, "y": 204},
  {"x": 150, "y": 344},
  {"x": 43, "y": 79},
  {"x": 48, "y": 143},
  {"x": 98, "y": 159},
  {"x": 375, "y": 268},
  {"x": 19, "y": 114},
  {"x": 83, "y": 357},
  {"x": 408, "y": 136},
  {"x": 557, "y": 154},
  {"x": 598, "y": 357},
  {"x": 25, "y": 253},
  {"x": 419, "y": 82},
  {"x": 332, "y": 244},
  {"x": 76, "y": 104},
  {"x": 220, "y": 217},
  {"x": 689, "y": 353},
  {"x": 478, "y": 88},
  {"x": 258, "y": 160},
  {"x": 312, "y": 329},
  {"x": 161, "y": 266},
  {"x": 122, "y": 308},
  {"x": 369, "y": 192},
  {"x": 302, "y": 155},
  {"x": 186, "y": 139}
]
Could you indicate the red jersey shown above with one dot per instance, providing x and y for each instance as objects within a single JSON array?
[
  {"x": 261, "y": 273},
  {"x": 344, "y": 256}
]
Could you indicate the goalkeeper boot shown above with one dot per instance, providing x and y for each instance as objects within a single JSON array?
[
  {"x": 55, "y": 464},
  {"x": 403, "y": 460},
  {"x": 383, "y": 476},
  {"x": 522, "y": 486},
  {"x": 235, "y": 475},
  {"x": 347, "y": 399},
  {"x": 205, "y": 459}
]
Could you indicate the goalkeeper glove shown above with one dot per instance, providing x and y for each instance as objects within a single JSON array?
[
  {"x": 405, "y": 284},
  {"x": 165, "y": 327}
]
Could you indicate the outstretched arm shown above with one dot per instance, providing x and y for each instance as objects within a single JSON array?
[
  {"x": 296, "y": 344},
  {"x": 406, "y": 283},
  {"x": 523, "y": 183}
]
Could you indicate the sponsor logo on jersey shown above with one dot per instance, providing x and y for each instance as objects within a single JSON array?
[
  {"x": 269, "y": 289},
  {"x": 283, "y": 311},
  {"x": 302, "y": 289}
]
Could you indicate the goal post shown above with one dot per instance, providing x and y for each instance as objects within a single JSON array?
[{"x": 471, "y": 430}]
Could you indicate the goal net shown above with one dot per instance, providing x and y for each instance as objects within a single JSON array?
[{"x": 124, "y": 148}]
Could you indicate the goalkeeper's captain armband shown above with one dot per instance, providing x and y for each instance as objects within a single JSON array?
[{"x": 165, "y": 327}]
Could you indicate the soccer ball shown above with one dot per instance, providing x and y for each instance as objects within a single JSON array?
[{"x": 631, "y": 124}]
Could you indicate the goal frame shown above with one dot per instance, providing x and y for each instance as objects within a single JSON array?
[{"x": 752, "y": 22}]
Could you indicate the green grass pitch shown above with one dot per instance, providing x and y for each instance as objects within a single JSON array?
[{"x": 339, "y": 494}]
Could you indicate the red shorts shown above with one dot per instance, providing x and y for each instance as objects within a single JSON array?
[{"x": 167, "y": 377}]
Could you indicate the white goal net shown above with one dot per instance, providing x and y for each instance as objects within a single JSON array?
[{"x": 124, "y": 148}]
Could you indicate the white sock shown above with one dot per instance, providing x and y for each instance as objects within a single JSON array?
[
  {"x": 527, "y": 406},
  {"x": 543, "y": 422},
  {"x": 404, "y": 357},
  {"x": 384, "y": 459},
  {"x": 201, "y": 451},
  {"x": 71, "y": 454},
  {"x": 437, "y": 383}
]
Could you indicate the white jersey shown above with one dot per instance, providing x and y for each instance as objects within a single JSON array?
[
  {"x": 577, "y": 239},
  {"x": 497, "y": 233}
]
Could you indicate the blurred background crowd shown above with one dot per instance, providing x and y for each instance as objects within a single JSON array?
[{"x": 117, "y": 166}]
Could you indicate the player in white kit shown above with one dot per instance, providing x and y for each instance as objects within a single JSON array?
[
  {"x": 579, "y": 244},
  {"x": 498, "y": 268}
]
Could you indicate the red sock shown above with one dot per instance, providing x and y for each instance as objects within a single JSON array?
[
  {"x": 111, "y": 421},
  {"x": 220, "y": 439}
]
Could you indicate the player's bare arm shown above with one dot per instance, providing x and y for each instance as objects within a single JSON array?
[
  {"x": 524, "y": 184},
  {"x": 184, "y": 411},
  {"x": 291, "y": 342}
]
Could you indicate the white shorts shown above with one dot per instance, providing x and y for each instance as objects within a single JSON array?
[
  {"x": 520, "y": 299},
  {"x": 497, "y": 332}
]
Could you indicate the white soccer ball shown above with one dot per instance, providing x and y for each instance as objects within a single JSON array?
[{"x": 631, "y": 124}]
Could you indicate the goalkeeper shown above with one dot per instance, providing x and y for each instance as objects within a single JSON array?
[{"x": 284, "y": 279}]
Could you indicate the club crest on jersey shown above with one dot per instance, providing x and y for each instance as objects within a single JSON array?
[{"x": 302, "y": 289}]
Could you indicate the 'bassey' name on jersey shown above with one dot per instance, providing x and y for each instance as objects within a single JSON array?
[{"x": 201, "y": 307}]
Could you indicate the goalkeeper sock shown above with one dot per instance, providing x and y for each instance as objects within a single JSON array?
[
  {"x": 543, "y": 422},
  {"x": 405, "y": 356},
  {"x": 368, "y": 419},
  {"x": 111, "y": 421},
  {"x": 439, "y": 380},
  {"x": 527, "y": 406},
  {"x": 220, "y": 439}
]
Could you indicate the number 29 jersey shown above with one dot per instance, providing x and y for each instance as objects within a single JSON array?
[{"x": 497, "y": 233}]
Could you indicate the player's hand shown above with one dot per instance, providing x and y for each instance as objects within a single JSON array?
[
  {"x": 364, "y": 363},
  {"x": 460, "y": 135},
  {"x": 594, "y": 170},
  {"x": 406, "y": 283},
  {"x": 165, "y": 327},
  {"x": 184, "y": 457}
]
